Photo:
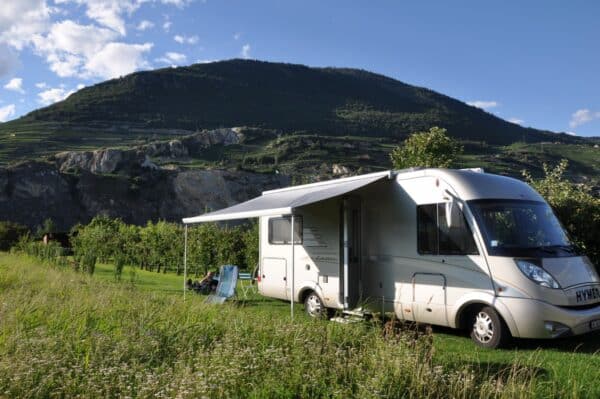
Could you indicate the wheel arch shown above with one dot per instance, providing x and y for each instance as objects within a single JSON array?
[
  {"x": 467, "y": 308},
  {"x": 306, "y": 287}
]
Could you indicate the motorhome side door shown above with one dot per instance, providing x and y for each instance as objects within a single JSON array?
[{"x": 351, "y": 251}]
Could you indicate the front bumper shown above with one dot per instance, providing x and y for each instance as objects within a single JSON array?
[{"x": 530, "y": 317}]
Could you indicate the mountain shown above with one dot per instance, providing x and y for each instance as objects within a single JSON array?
[
  {"x": 174, "y": 142},
  {"x": 287, "y": 97}
]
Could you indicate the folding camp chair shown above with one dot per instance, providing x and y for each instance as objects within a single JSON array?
[
  {"x": 248, "y": 282},
  {"x": 228, "y": 277}
]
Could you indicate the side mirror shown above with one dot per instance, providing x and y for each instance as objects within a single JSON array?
[{"x": 453, "y": 213}]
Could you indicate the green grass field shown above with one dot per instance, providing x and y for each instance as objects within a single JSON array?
[{"x": 66, "y": 334}]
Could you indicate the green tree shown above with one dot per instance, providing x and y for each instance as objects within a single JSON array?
[
  {"x": 230, "y": 247},
  {"x": 431, "y": 149},
  {"x": 574, "y": 205},
  {"x": 251, "y": 243},
  {"x": 10, "y": 234}
]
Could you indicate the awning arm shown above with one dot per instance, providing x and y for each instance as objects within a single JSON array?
[{"x": 238, "y": 215}]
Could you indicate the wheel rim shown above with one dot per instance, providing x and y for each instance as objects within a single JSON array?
[
  {"x": 483, "y": 328},
  {"x": 314, "y": 306}
]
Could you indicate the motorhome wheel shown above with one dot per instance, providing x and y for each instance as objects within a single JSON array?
[
  {"x": 488, "y": 330},
  {"x": 314, "y": 306}
]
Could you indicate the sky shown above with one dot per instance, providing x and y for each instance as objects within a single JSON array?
[{"x": 535, "y": 63}]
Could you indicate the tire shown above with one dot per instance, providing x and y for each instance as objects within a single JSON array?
[
  {"x": 314, "y": 307},
  {"x": 488, "y": 330}
]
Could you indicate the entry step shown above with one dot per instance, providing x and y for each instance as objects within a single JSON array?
[
  {"x": 346, "y": 320},
  {"x": 358, "y": 312}
]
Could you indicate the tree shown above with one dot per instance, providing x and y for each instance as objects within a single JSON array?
[
  {"x": 251, "y": 244},
  {"x": 431, "y": 149},
  {"x": 10, "y": 234},
  {"x": 574, "y": 205}
]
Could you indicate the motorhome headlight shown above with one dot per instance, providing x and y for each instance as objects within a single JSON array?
[{"x": 537, "y": 274}]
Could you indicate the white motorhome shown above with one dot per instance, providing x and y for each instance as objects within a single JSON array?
[{"x": 458, "y": 248}]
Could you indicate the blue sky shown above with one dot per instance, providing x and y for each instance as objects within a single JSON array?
[{"x": 536, "y": 63}]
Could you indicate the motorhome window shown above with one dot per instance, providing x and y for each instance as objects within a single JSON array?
[
  {"x": 520, "y": 228},
  {"x": 280, "y": 232},
  {"x": 436, "y": 238}
]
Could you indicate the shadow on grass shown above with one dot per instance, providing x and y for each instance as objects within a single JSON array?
[
  {"x": 499, "y": 371},
  {"x": 587, "y": 343}
]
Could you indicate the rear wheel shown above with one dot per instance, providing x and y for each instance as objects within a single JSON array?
[
  {"x": 313, "y": 305},
  {"x": 488, "y": 329}
]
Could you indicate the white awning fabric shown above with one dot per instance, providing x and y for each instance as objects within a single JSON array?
[{"x": 283, "y": 201}]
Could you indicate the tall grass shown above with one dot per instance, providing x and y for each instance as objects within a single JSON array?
[{"x": 65, "y": 334}]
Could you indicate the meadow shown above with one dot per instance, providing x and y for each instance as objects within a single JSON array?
[{"x": 69, "y": 334}]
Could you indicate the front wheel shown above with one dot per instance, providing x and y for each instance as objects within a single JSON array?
[
  {"x": 314, "y": 306},
  {"x": 488, "y": 329}
]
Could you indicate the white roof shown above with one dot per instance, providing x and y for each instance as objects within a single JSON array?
[{"x": 283, "y": 201}]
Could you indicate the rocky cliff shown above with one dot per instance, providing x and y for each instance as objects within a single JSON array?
[{"x": 73, "y": 187}]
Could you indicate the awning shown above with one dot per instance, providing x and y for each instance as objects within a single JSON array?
[{"x": 283, "y": 201}]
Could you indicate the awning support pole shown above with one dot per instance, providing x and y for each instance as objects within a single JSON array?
[
  {"x": 293, "y": 270},
  {"x": 346, "y": 254},
  {"x": 185, "y": 239}
]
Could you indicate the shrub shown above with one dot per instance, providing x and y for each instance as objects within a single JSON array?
[
  {"x": 10, "y": 233},
  {"x": 431, "y": 149},
  {"x": 251, "y": 243},
  {"x": 574, "y": 205}
]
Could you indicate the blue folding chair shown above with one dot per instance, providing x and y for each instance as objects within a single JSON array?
[{"x": 228, "y": 277}]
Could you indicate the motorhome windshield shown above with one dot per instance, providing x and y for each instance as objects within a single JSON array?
[{"x": 520, "y": 228}]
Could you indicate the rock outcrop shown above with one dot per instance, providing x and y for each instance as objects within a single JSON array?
[
  {"x": 111, "y": 160},
  {"x": 31, "y": 192}
]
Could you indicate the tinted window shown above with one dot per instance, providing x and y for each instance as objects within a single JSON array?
[
  {"x": 436, "y": 238},
  {"x": 280, "y": 232},
  {"x": 520, "y": 228},
  {"x": 427, "y": 229}
]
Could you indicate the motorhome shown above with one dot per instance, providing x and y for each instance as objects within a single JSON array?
[{"x": 457, "y": 248}]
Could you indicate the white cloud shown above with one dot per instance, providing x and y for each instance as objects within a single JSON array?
[
  {"x": 145, "y": 25},
  {"x": 571, "y": 133},
  {"x": 186, "y": 39},
  {"x": 53, "y": 95},
  {"x": 20, "y": 20},
  {"x": 80, "y": 86},
  {"x": 177, "y": 3},
  {"x": 167, "y": 26},
  {"x": 68, "y": 45},
  {"x": 237, "y": 36},
  {"x": 583, "y": 116},
  {"x": 172, "y": 58},
  {"x": 41, "y": 85},
  {"x": 245, "y": 53},
  {"x": 483, "y": 104},
  {"x": 6, "y": 112},
  {"x": 15, "y": 84},
  {"x": 516, "y": 120},
  {"x": 108, "y": 13},
  {"x": 85, "y": 51},
  {"x": 118, "y": 59}
]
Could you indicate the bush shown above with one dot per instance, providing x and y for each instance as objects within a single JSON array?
[
  {"x": 10, "y": 233},
  {"x": 431, "y": 149},
  {"x": 574, "y": 205}
]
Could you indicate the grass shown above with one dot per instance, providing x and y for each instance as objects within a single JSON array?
[{"x": 66, "y": 334}]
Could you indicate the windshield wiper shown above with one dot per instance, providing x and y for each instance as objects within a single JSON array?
[
  {"x": 566, "y": 248},
  {"x": 551, "y": 249},
  {"x": 547, "y": 249}
]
